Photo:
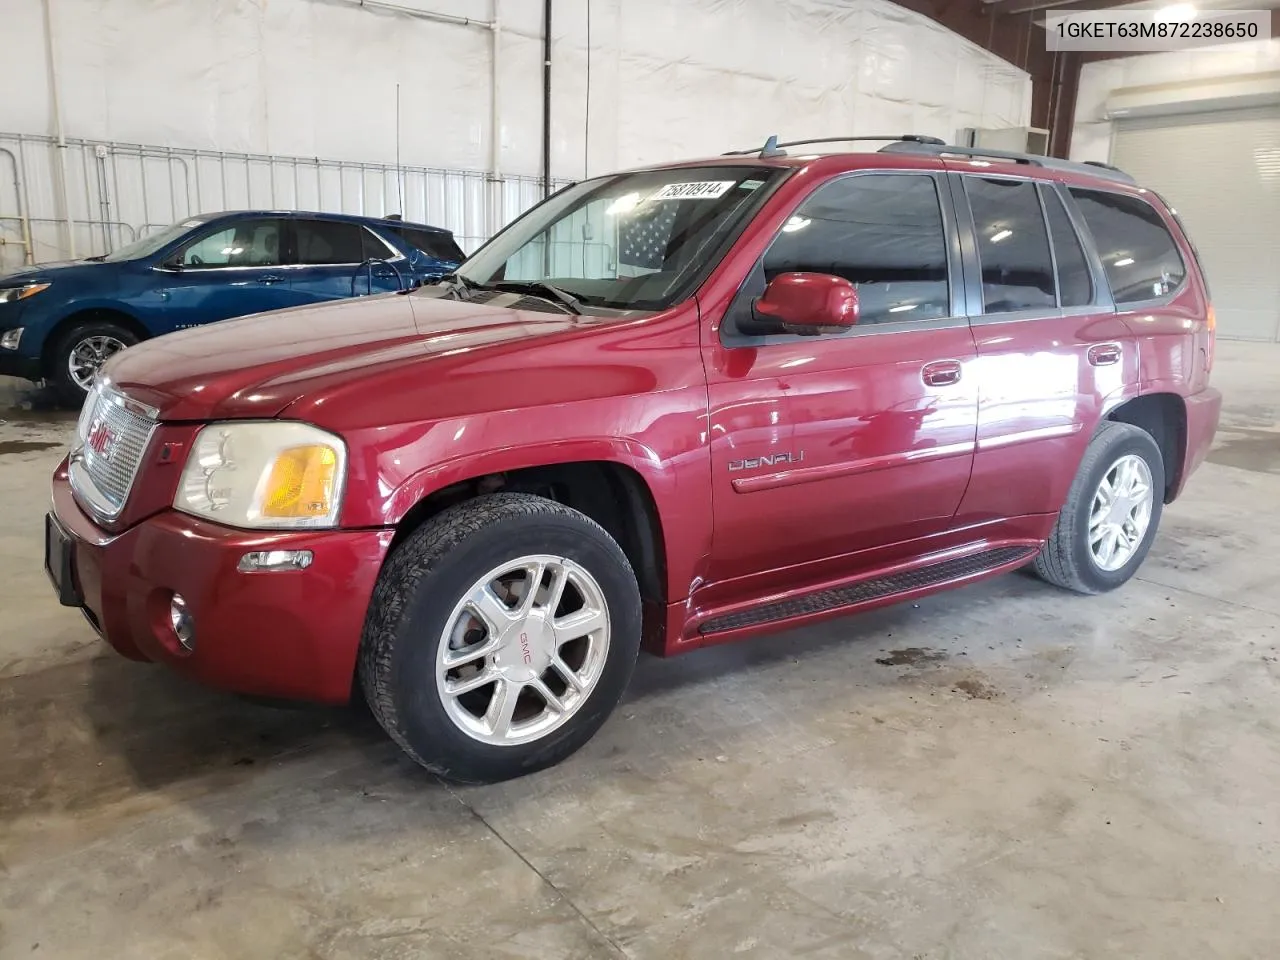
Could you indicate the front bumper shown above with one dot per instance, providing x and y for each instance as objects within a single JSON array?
[
  {"x": 285, "y": 634},
  {"x": 16, "y": 365}
]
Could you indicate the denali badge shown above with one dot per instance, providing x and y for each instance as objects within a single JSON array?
[{"x": 778, "y": 459}]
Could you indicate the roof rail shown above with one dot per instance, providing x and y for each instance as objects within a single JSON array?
[
  {"x": 1088, "y": 168},
  {"x": 772, "y": 148}
]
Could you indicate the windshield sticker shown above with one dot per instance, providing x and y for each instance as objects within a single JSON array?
[{"x": 703, "y": 190}]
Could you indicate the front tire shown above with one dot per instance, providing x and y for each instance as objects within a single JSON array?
[
  {"x": 501, "y": 635},
  {"x": 80, "y": 352},
  {"x": 1111, "y": 515}
]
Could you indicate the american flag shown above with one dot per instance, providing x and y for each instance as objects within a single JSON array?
[{"x": 643, "y": 236}]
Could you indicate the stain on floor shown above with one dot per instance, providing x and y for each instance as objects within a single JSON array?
[
  {"x": 1249, "y": 449},
  {"x": 910, "y": 656},
  {"x": 25, "y": 446}
]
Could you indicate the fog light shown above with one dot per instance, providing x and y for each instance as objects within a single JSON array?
[
  {"x": 265, "y": 561},
  {"x": 184, "y": 625},
  {"x": 10, "y": 339}
]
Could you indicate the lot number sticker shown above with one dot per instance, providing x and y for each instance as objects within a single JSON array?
[{"x": 705, "y": 190}]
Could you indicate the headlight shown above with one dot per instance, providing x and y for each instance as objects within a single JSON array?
[
  {"x": 14, "y": 294},
  {"x": 265, "y": 475}
]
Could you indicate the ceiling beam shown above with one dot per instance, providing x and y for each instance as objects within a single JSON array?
[{"x": 1002, "y": 8}]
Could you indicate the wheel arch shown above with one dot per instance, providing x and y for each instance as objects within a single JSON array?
[
  {"x": 611, "y": 490},
  {"x": 1164, "y": 417},
  {"x": 107, "y": 313}
]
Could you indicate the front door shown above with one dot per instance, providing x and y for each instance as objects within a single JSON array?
[
  {"x": 231, "y": 271},
  {"x": 337, "y": 259},
  {"x": 825, "y": 446}
]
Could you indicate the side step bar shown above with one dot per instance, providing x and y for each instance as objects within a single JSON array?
[{"x": 875, "y": 588}]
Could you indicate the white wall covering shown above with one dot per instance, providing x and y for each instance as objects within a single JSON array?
[
  {"x": 1091, "y": 134},
  {"x": 317, "y": 78}
]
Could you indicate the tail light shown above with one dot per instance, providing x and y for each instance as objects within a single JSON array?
[{"x": 1211, "y": 323}]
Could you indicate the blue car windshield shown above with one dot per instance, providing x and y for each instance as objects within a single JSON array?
[{"x": 146, "y": 246}]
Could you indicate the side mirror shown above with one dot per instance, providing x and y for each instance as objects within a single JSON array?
[{"x": 807, "y": 304}]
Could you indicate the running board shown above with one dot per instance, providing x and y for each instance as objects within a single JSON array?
[{"x": 876, "y": 588}]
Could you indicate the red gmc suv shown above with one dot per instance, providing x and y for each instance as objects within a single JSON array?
[{"x": 670, "y": 407}]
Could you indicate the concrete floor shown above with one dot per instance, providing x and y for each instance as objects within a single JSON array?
[{"x": 1004, "y": 771}]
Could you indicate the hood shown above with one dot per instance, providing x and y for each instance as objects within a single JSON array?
[
  {"x": 40, "y": 272},
  {"x": 257, "y": 366}
]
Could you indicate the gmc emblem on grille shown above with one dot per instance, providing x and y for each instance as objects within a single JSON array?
[{"x": 101, "y": 439}]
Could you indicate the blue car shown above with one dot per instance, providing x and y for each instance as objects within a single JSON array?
[{"x": 60, "y": 321}]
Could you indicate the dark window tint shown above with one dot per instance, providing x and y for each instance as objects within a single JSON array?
[
  {"x": 328, "y": 241},
  {"x": 438, "y": 246},
  {"x": 883, "y": 233},
  {"x": 246, "y": 243},
  {"x": 1013, "y": 247},
  {"x": 375, "y": 248},
  {"x": 1074, "y": 285},
  {"x": 1138, "y": 254}
]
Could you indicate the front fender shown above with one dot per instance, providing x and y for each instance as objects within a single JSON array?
[{"x": 674, "y": 483}]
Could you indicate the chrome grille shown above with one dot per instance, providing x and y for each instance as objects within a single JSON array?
[{"x": 111, "y": 438}]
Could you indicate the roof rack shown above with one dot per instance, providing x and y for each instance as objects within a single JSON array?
[
  {"x": 772, "y": 148},
  {"x": 1088, "y": 168}
]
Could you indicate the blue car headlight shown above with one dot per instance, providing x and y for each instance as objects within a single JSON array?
[{"x": 14, "y": 294}]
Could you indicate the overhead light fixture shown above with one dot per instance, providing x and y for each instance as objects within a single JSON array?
[
  {"x": 796, "y": 223},
  {"x": 1001, "y": 235},
  {"x": 903, "y": 308},
  {"x": 1126, "y": 262},
  {"x": 1175, "y": 13}
]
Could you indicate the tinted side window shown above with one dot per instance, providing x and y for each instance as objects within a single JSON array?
[
  {"x": 439, "y": 246},
  {"x": 248, "y": 243},
  {"x": 327, "y": 241},
  {"x": 1013, "y": 247},
  {"x": 1138, "y": 254},
  {"x": 375, "y": 248},
  {"x": 1075, "y": 287},
  {"x": 881, "y": 232}
]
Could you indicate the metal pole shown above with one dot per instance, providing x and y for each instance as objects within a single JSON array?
[
  {"x": 546, "y": 98},
  {"x": 55, "y": 93}
]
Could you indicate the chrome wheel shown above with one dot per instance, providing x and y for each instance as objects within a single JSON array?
[
  {"x": 1120, "y": 513},
  {"x": 523, "y": 650},
  {"x": 88, "y": 356}
]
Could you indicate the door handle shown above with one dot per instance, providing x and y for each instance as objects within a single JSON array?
[
  {"x": 941, "y": 373},
  {"x": 1104, "y": 354},
  {"x": 270, "y": 279}
]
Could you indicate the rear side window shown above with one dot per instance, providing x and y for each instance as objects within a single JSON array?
[
  {"x": 329, "y": 241},
  {"x": 375, "y": 248},
  {"x": 1075, "y": 286},
  {"x": 1013, "y": 247},
  {"x": 438, "y": 246},
  {"x": 883, "y": 233},
  {"x": 1139, "y": 256}
]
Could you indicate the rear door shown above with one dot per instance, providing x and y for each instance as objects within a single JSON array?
[
  {"x": 1051, "y": 351},
  {"x": 824, "y": 446},
  {"x": 337, "y": 259}
]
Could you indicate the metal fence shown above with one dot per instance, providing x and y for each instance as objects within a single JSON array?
[{"x": 117, "y": 192}]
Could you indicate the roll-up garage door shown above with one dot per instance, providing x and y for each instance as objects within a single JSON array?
[{"x": 1221, "y": 172}]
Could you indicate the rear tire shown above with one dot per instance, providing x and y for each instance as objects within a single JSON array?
[
  {"x": 80, "y": 352},
  {"x": 1098, "y": 545},
  {"x": 493, "y": 604}
]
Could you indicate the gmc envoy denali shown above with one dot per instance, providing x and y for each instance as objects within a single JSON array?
[{"x": 665, "y": 408}]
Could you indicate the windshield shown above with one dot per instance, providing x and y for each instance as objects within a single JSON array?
[
  {"x": 634, "y": 241},
  {"x": 148, "y": 245}
]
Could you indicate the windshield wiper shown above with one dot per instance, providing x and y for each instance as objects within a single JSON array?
[
  {"x": 460, "y": 284},
  {"x": 540, "y": 288}
]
